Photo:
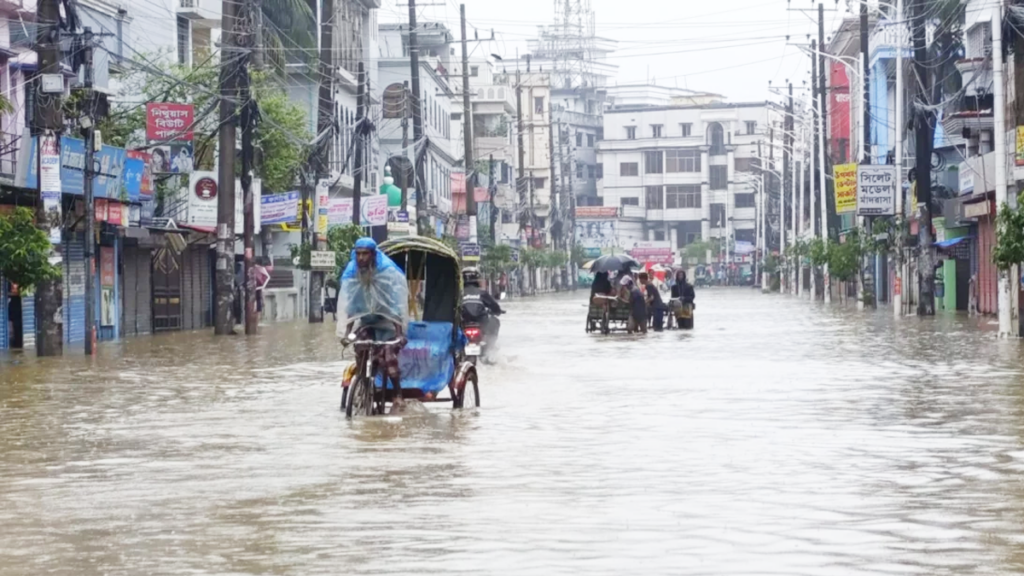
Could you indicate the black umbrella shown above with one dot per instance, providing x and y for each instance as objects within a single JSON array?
[{"x": 613, "y": 263}]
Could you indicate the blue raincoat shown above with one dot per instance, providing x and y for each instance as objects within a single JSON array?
[{"x": 378, "y": 296}]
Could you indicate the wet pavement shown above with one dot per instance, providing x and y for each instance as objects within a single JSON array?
[{"x": 779, "y": 437}]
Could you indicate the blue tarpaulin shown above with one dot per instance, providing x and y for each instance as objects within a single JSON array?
[{"x": 951, "y": 242}]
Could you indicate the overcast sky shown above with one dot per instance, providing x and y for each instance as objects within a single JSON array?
[{"x": 732, "y": 47}]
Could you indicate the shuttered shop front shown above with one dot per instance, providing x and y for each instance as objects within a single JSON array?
[
  {"x": 196, "y": 288},
  {"x": 74, "y": 288},
  {"x": 136, "y": 289}
]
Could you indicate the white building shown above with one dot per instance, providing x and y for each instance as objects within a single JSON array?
[
  {"x": 688, "y": 172},
  {"x": 437, "y": 104}
]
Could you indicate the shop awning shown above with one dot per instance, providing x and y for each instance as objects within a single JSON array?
[{"x": 951, "y": 242}]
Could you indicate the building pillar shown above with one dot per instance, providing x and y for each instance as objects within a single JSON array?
[{"x": 705, "y": 195}]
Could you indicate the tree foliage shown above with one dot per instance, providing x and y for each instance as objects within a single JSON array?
[
  {"x": 281, "y": 138},
  {"x": 25, "y": 250},
  {"x": 342, "y": 240},
  {"x": 1009, "y": 248},
  {"x": 496, "y": 259}
]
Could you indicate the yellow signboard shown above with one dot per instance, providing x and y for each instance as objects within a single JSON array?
[
  {"x": 1019, "y": 156},
  {"x": 845, "y": 184}
]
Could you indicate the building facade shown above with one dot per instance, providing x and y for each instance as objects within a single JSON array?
[{"x": 688, "y": 173}]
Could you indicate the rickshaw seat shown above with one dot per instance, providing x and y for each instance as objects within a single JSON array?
[{"x": 426, "y": 362}]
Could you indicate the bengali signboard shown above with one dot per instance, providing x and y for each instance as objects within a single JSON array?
[
  {"x": 374, "y": 210},
  {"x": 146, "y": 189},
  {"x": 203, "y": 189},
  {"x": 470, "y": 251},
  {"x": 1018, "y": 159},
  {"x": 117, "y": 175},
  {"x": 876, "y": 190},
  {"x": 321, "y": 260},
  {"x": 845, "y": 184},
  {"x": 167, "y": 121},
  {"x": 279, "y": 208},
  {"x": 597, "y": 237},
  {"x": 652, "y": 251},
  {"x": 596, "y": 212}
]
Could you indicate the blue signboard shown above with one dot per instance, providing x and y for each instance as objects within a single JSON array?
[
  {"x": 117, "y": 176},
  {"x": 279, "y": 208}
]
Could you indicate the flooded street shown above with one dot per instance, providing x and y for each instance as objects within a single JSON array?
[{"x": 779, "y": 437}]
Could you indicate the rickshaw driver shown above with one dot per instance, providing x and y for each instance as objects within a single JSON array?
[{"x": 375, "y": 297}]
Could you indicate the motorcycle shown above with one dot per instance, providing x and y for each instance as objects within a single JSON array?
[{"x": 477, "y": 346}]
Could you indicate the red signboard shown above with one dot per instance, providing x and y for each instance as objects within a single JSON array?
[
  {"x": 166, "y": 121},
  {"x": 100, "y": 208},
  {"x": 597, "y": 212},
  {"x": 839, "y": 114},
  {"x": 146, "y": 186},
  {"x": 107, "y": 266},
  {"x": 115, "y": 213}
]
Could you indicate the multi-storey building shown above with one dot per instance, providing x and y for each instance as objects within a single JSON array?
[{"x": 687, "y": 172}]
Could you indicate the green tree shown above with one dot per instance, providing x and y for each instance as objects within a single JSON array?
[
  {"x": 25, "y": 250},
  {"x": 342, "y": 240},
  {"x": 496, "y": 259},
  {"x": 1009, "y": 248}
]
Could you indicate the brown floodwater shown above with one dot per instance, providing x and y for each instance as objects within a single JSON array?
[{"x": 779, "y": 437}]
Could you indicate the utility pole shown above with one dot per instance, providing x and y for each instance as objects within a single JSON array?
[
  {"x": 249, "y": 117},
  {"x": 792, "y": 187},
  {"x": 467, "y": 133},
  {"x": 324, "y": 124},
  {"x": 521, "y": 181},
  {"x": 91, "y": 328},
  {"x": 224, "y": 322},
  {"x": 823, "y": 140},
  {"x": 787, "y": 186},
  {"x": 923, "y": 128},
  {"x": 554, "y": 201},
  {"x": 865, "y": 57},
  {"x": 357, "y": 214},
  {"x": 816, "y": 166},
  {"x": 47, "y": 123},
  {"x": 492, "y": 188},
  {"x": 404, "y": 177},
  {"x": 417, "y": 122},
  {"x": 1006, "y": 286},
  {"x": 901, "y": 214}
]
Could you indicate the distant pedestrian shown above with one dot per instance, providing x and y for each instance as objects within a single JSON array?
[
  {"x": 655, "y": 305},
  {"x": 634, "y": 298}
]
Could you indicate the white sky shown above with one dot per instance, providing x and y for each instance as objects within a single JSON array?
[{"x": 731, "y": 47}]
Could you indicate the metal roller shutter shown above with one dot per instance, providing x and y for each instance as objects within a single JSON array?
[
  {"x": 137, "y": 314},
  {"x": 74, "y": 288},
  {"x": 205, "y": 285}
]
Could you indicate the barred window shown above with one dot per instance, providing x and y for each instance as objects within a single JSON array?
[
  {"x": 682, "y": 161},
  {"x": 685, "y": 196}
]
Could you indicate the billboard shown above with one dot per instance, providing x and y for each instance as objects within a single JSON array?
[
  {"x": 597, "y": 237},
  {"x": 845, "y": 185},
  {"x": 167, "y": 121}
]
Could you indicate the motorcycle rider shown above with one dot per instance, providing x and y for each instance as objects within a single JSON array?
[{"x": 478, "y": 305}]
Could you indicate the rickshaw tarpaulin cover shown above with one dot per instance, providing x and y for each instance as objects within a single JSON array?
[{"x": 383, "y": 292}]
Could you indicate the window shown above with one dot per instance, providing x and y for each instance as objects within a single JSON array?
[
  {"x": 184, "y": 40},
  {"x": 539, "y": 183},
  {"x": 590, "y": 171},
  {"x": 659, "y": 235},
  {"x": 629, "y": 201},
  {"x": 474, "y": 70},
  {"x": 655, "y": 130},
  {"x": 687, "y": 129},
  {"x": 716, "y": 139},
  {"x": 652, "y": 195},
  {"x": 630, "y": 132},
  {"x": 687, "y": 196},
  {"x": 590, "y": 140},
  {"x": 600, "y": 170},
  {"x": 719, "y": 177},
  {"x": 579, "y": 170},
  {"x": 682, "y": 160},
  {"x": 653, "y": 163},
  {"x": 629, "y": 169},
  {"x": 745, "y": 200},
  {"x": 538, "y": 105},
  {"x": 579, "y": 139},
  {"x": 744, "y": 236},
  {"x": 751, "y": 127},
  {"x": 744, "y": 164},
  {"x": 718, "y": 215}
]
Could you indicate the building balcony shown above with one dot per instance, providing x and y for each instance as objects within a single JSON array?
[
  {"x": 888, "y": 36},
  {"x": 578, "y": 118},
  {"x": 203, "y": 12},
  {"x": 675, "y": 215},
  {"x": 976, "y": 75},
  {"x": 634, "y": 212},
  {"x": 501, "y": 94}
]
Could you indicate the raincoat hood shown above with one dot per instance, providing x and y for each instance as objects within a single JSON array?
[{"x": 381, "y": 291}]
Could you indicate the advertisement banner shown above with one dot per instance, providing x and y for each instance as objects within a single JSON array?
[
  {"x": 107, "y": 266},
  {"x": 470, "y": 251},
  {"x": 100, "y": 210},
  {"x": 650, "y": 250},
  {"x": 201, "y": 198},
  {"x": 49, "y": 184},
  {"x": 462, "y": 227},
  {"x": 279, "y": 208},
  {"x": 118, "y": 176},
  {"x": 171, "y": 159},
  {"x": 167, "y": 121},
  {"x": 1019, "y": 156},
  {"x": 876, "y": 190},
  {"x": 323, "y": 205},
  {"x": 597, "y": 236},
  {"x": 845, "y": 179},
  {"x": 146, "y": 189},
  {"x": 597, "y": 212},
  {"x": 374, "y": 211},
  {"x": 115, "y": 213}
]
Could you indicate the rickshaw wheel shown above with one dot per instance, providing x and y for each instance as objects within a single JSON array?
[
  {"x": 360, "y": 398},
  {"x": 470, "y": 391},
  {"x": 344, "y": 396}
]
